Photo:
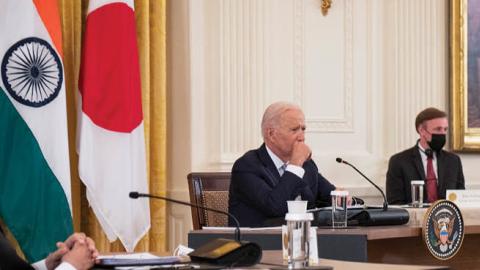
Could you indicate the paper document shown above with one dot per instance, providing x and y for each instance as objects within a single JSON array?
[
  {"x": 137, "y": 259},
  {"x": 139, "y": 255}
]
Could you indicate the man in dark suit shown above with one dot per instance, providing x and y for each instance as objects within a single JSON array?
[
  {"x": 78, "y": 252},
  {"x": 440, "y": 170},
  {"x": 281, "y": 169}
]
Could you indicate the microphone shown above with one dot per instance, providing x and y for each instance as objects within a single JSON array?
[
  {"x": 385, "y": 204},
  {"x": 136, "y": 195},
  {"x": 219, "y": 251},
  {"x": 367, "y": 216}
]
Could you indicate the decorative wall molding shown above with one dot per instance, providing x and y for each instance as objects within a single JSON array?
[
  {"x": 178, "y": 228},
  {"x": 243, "y": 39},
  {"x": 416, "y": 46},
  {"x": 248, "y": 36},
  {"x": 322, "y": 125},
  {"x": 299, "y": 49},
  {"x": 179, "y": 219}
]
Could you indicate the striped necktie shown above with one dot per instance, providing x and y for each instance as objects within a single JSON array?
[{"x": 282, "y": 169}]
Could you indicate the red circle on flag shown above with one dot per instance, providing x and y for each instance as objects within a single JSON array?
[{"x": 110, "y": 74}]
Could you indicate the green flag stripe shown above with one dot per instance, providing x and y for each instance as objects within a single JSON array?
[{"x": 32, "y": 202}]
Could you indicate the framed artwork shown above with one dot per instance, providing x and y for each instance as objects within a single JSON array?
[{"x": 465, "y": 75}]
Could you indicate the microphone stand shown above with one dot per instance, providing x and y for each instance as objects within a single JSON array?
[
  {"x": 369, "y": 216},
  {"x": 385, "y": 204},
  {"x": 225, "y": 252},
  {"x": 136, "y": 195}
]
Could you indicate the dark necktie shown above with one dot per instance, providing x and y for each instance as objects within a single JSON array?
[{"x": 431, "y": 180}]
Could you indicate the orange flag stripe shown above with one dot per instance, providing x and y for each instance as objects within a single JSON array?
[{"x": 48, "y": 11}]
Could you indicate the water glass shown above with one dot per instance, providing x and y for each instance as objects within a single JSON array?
[
  {"x": 339, "y": 208},
  {"x": 297, "y": 236},
  {"x": 417, "y": 192}
]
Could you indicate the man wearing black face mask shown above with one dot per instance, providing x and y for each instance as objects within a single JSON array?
[{"x": 441, "y": 170}]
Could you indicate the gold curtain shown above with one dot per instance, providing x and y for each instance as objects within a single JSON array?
[{"x": 151, "y": 37}]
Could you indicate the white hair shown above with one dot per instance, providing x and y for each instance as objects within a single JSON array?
[{"x": 272, "y": 115}]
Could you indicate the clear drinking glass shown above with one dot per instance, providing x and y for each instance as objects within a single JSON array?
[
  {"x": 417, "y": 192},
  {"x": 339, "y": 208},
  {"x": 298, "y": 231}
]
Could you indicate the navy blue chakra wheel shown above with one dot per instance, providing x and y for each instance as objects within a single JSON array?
[{"x": 32, "y": 72}]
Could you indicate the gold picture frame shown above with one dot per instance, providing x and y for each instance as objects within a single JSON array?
[{"x": 465, "y": 75}]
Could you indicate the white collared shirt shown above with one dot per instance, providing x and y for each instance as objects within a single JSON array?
[
  {"x": 297, "y": 170},
  {"x": 40, "y": 265},
  {"x": 425, "y": 160}
]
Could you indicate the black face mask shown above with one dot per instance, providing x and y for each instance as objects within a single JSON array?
[{"x": 437, "y": 142}]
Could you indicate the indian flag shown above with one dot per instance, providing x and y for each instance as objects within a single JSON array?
[
  {"x": 111, "y": 143},
  {"x": 34, "y": 165}
]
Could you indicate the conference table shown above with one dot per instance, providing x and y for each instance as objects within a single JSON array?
[
  {"x": 401, "y": 244},
  {"x": 272, "y": 259}
]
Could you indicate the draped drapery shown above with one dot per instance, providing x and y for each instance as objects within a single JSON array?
[{"x": 151, "y": 37}]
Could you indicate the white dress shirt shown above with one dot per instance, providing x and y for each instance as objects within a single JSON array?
[
  {"x": 279, "y": 164},
  {"x": 40, "y": 265},
  {"x": 425, "y": 160}
]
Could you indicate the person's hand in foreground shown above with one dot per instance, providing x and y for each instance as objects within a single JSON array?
[{"x": 76, "y": 258}]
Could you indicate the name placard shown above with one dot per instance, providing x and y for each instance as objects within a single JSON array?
[{"x": 464, "y": 198}]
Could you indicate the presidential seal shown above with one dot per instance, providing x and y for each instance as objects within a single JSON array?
[{"x": 443, "y": 229}]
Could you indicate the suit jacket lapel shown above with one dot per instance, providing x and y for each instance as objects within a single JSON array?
[
  {"x": 270, "y": 169},
  {"x": 417, "y": 159}
]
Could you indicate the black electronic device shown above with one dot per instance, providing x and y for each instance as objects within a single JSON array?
[{"x": 367, "y": 216}]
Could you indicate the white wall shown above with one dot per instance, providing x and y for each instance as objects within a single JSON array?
[{"x": 361, "y": 74}]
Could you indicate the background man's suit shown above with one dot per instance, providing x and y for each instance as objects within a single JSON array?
[
  {"x": 407, "y": 166},
  {"x": 9, "y": 259},
  {"x": 258, "y": 192}
]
